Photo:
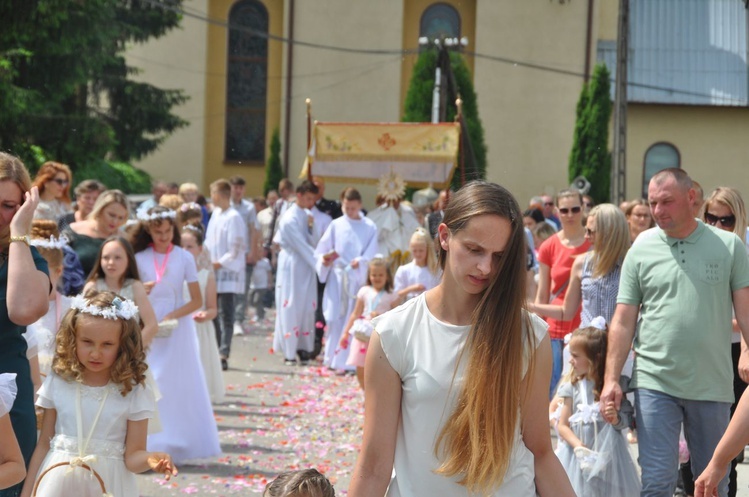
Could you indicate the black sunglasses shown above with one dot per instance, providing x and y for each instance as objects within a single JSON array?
[
  {"x": 566, "y": 210},
  {"x": 60, "y": 181},
  {"x": 727, "y": 221}
]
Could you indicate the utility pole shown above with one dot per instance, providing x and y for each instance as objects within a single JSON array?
[{"x": 619, "y": 162}]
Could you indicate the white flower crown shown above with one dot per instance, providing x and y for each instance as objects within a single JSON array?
[
  {"x": 168, "y": 214},
  {"x": 50, "y": 243},
  {"x": 120, "y": 308}
]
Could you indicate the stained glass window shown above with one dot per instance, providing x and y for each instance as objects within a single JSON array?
[{"x": 246, "y": 86}]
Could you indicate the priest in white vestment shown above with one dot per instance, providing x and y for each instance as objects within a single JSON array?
[
  {"x": 343, "y": 256},
  {"x": 296, "y": 283}
]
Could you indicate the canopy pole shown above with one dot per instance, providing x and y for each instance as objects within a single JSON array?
[
  {"x": 308, "y": 102},
  {"x": 459, "y": 120}
]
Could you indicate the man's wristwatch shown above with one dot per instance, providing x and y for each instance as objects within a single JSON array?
[{"x": 20, "y": 238}]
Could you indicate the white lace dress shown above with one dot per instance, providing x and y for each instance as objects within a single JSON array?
[
  {"x": 8, "y": 390},
  {"x": 99, "y": 442},
  {"x": 209, "y": 355},
  {"x": 45, "y": 331}
]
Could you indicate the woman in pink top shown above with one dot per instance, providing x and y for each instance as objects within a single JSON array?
[{"x": 556, "y": 256}]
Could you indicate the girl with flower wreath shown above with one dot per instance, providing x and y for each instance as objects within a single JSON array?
[
  {"x": 189, "y": 430},
  {"x": 96, "y": 406}
]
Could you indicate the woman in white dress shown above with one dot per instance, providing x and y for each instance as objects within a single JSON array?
[
  {"x": 457, "y": 378},
  {"x": 192, "y": 241},
  {"x": 189, "y": 431}
]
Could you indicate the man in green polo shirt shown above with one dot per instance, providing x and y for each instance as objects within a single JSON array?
[{"x": 683, "y": 281}]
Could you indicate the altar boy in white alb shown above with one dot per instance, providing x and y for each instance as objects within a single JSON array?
[
  {"x": 343, "y": 255},
  {"x": 226, "y": 240},
  {"x": 296, "y": 285}
]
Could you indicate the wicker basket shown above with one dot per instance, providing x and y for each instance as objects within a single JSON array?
[{"x": 60, "y": 464}]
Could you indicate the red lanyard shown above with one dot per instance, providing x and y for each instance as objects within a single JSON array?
[{"x": 161, "y": 270}]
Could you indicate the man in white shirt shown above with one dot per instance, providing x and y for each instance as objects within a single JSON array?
[
  {"x": 226, "y": 240},
  {"x": 249, "y": 215}
]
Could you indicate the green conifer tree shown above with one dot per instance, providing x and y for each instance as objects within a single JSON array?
[
  {"x": 590, "y": 156},
  {"x": 418, "y": 106},
  {"x": 273, "y": 168}
]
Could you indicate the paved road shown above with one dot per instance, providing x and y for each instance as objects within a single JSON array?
[
  {"x": 275, "y": 418},
  {"x": 279, "y": 417}
]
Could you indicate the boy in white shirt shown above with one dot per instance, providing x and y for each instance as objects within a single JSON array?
[{"x": 260, "y": 284}]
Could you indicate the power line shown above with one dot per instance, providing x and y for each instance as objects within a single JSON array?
[{"x": 413, "y": 51}]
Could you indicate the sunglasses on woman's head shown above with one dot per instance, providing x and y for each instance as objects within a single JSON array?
[
  {"x": 727, "y": 221},
  {"x": 566, "y": 210},
  {"x": 60, "y": 181}
]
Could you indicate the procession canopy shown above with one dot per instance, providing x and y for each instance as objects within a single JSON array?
[{"x": 422, "y": 154}]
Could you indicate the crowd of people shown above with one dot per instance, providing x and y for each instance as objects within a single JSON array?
[{"x": 471, "y": 328}]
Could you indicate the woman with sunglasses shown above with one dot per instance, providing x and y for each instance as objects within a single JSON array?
[
  {"x": 724, "y": 209},
  {"x": 556, "y": 256},
  {"x": 53, "y": 181}
]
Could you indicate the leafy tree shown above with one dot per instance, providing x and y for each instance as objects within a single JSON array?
[
  {"x": 590, "y": 155},
  {"x": 273, "y": 169},
  {"x": 418, "y": 107},
  {"x": 65, "y": 86}
]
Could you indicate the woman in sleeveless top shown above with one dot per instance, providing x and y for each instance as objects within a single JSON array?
[{"x": 454, "y": 376}]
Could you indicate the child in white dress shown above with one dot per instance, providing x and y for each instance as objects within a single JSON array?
[
  {"x": 96, "y": 406},
  {"x": 115, "y": 270},
  {"x": 189, "y": 431},
  {"x": 423, "y": 272},
  {"x": 12, "y": 468},
  {"x": 44, "y": 236},
  {"x": 192, "y": 241},
  {"x": 596, "y": 454},
  {"x": 373, "y": 299}
]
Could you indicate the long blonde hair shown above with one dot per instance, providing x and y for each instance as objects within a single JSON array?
[
  {"x": 476, "y": 441},
  {"x": 731, "y": 198},
  {"x": 612, "y": 238},
  {"x": 422, "y": 236},
  {"x": 12, "y": 169}
]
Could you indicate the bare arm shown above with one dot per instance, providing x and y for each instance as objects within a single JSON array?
[
  {"x": 572, "y": 298},
  {"x": 12, "y": 467},
  {"x": 544, "y": 284},
  {"x": 138, "y": 459},
  {"x": 565, "y": 430},
  {"x": 147, "y": 315},
  {"x": 551, "y": 479},
  {"x": 733, "y": 442},
  {"x": 210, "y": 310},
  {"x": 741, "y": 309},
  {"x": 374, "y": 465},
  {"x": 191, "y": 306},
  {"x": 28, "y": 288},
  {"x": 358, "y": 311},
  {"x": 42, "y": 447},
  {"x": 621, "y": 334}
]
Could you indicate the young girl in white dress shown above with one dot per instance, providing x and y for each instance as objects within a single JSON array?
[
  {"x": 96, "y": 406},
  {"x": 116, "y": 270},
  {"x": 423, "y": 272},
  {"x": 457, "y": 378},
  {"x": 45, "y": 237},
  {"x": 189, "y": 431},
  {"x": 192, "y": 241},
  {"x": 12, "y": 467},
  {"x": 596, "y": 454},
  {"x": 373, "y": 299}
]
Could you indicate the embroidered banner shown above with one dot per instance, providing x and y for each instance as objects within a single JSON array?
[{"x": 420, "y": 153}]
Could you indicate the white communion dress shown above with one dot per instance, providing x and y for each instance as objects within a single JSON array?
[{"x": 90, "y": 430}]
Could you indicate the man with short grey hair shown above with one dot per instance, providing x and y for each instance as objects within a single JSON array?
[{"x": 683, "y": 281}]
